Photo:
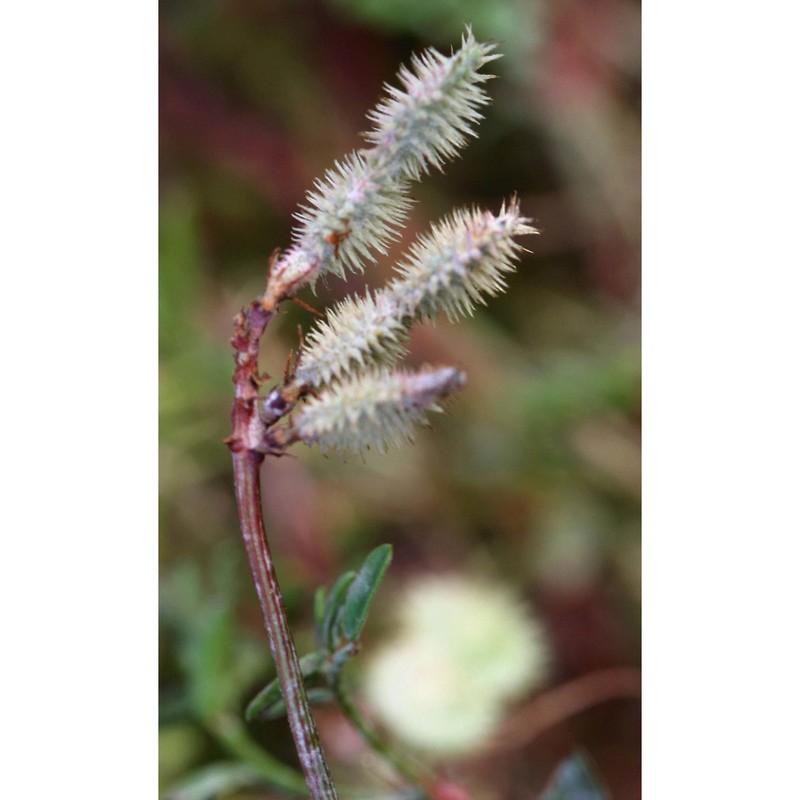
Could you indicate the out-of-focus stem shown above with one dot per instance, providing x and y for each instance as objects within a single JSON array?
[{"x": 412, "y": 772}]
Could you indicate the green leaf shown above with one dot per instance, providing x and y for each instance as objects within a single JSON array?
[
  {"x": 232, "y": 734},
  {"x": 215, "y": 781},
  {"x": 317, "y": 696},
  {"x": 269, "y": 701},
  {"x": 263, "y": 701},
  {"x": 180, "y": 274},
  {"x": 319, "y": 617},
  {"x": 320, "y": 695},
  {"x": 208, "y": 658},
  {"x": 574, "y": 780},
  {"x": 362, "y": 590},
  {"x": 333, "y": 607}
]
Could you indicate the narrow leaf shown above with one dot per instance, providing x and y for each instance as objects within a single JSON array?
[
  {"x": 263, "y": 701},
  {"x": 319, "y": 617},
  {"x": 333, "y": 606},
  {"x": 362, "y": 590},
  {"x": 317, "y": 696},
  {"x": 320, "y": 695},
  {"x": 269, "y": 701},
  {"x": 574, "y": 780},
  {"x": 208, "y": 656},
  {"x": 214, "y": 781}
]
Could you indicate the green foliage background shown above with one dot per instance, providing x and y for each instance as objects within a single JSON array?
[{"x": 532, "y": 477}]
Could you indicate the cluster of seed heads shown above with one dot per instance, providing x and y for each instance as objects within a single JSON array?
[{"x": 358, "y": 401}]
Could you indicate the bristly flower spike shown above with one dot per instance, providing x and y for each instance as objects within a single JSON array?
[
  {"x": 355, "y": 211},
  {"x": 429, "y": 121},
  {"x": 375, "y": 410},
  {"x": 460, "y": 262},
  {"x": 356, "y": 332},
  {"x": 352, "y": 214}
]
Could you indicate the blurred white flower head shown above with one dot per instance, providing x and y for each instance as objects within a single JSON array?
[{"x": 465, "y": 649}]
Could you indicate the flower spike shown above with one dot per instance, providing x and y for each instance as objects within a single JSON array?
[
  {"x": 374, "y": 411},
  {"x": 429, "y": 121},
  {"x": 460, "y": 262}
]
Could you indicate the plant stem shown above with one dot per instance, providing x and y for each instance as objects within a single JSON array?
[
  {"x": 248, "y": 495},
  {"x": 250, "y": 325},
  {"x": 413, "y": 773}
]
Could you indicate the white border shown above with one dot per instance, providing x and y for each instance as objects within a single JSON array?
[
  {"x": 78, "y": 580},
  {"x": 721, "y": 400}
]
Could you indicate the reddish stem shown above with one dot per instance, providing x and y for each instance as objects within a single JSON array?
[
  {"x": 247, "y": 432},
  {"x": 567, "y": 700}
]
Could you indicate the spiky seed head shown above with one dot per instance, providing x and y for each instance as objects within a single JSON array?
[
  {"x": 429, "y": 120},
  {"x": 350, "y": 216},
  {"x": 460, "y": 262},
  {"x": 355, "y": 333},
  {"x": 375, "y": 410}
]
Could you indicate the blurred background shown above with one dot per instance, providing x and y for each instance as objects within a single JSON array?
[{"x": 530, "y": 484}]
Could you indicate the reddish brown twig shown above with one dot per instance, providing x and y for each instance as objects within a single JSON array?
[
  {"x": 566, "y": 701},
  {"x": 246, "y": 444}
]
